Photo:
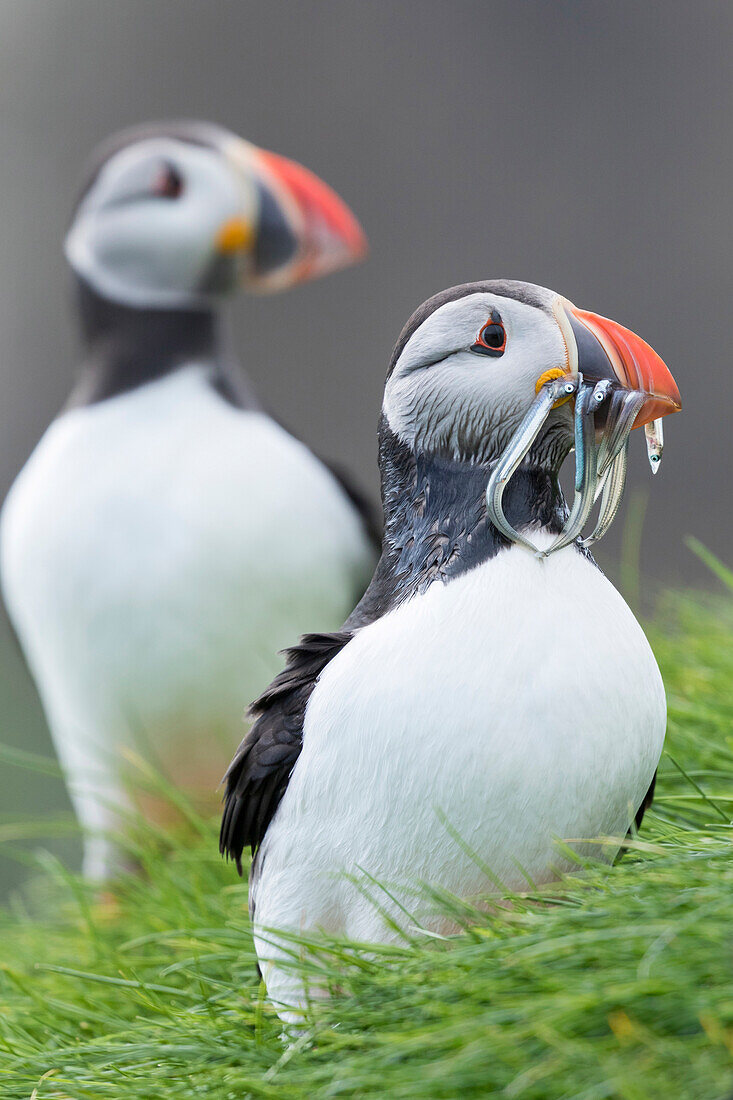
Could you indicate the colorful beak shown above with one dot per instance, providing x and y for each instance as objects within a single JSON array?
[
  {"x": 607, "y": 350},
  {"x": 303, "y": 229}
]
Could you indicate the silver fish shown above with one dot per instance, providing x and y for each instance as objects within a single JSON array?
[
  {"x": 516, "y": 450},
  {"x": 600, "y": 470},
  {"x": 613, "y": 490},
  {"x": 624, "y": 409},
  {"x": 586, "y": 470},
  {"x": 654, "y": 432}
]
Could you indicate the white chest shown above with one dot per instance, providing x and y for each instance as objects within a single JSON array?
[
  {"x": 160, "y": 547},
  {"x": 514, "y": 706}
]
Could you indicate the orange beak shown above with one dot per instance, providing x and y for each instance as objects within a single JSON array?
[
  {"x": 301, "y": 228},
  {"x": 304, "y": 230},
  {"x": 329, "y": 234},
  {"x": 606, "y": 349}
]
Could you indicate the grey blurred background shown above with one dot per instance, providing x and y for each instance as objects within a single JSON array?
[{"x": 584, "y": 146}]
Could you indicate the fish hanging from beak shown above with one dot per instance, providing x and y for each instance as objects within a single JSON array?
[{"x": 618, "y": 382}]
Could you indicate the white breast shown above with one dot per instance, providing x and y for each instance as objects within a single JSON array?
[
  {"x": 158, "y": 549},
  {"x": 515, "y": 706}
]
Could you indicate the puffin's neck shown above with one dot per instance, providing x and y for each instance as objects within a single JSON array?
[
  {"x": 127, "y": 347},
  {"x": 435, "y": 521}
]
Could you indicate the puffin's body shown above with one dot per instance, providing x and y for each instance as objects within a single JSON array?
[
  {"x": 161, "y": 545},
  {"x": 480, "y": 704}
]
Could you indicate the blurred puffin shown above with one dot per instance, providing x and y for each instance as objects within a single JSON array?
[
  {"x": 167, "y": 537},
  {"x": 492, "y": 692}
]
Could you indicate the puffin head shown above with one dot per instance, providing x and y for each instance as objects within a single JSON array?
[
  {"x": 177, "y": 215},
  {"x": 467, "y": 365},
  {"x": 506, "y": 373}
]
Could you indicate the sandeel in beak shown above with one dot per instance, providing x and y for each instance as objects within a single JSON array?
[{"x": 611, "y": 371}]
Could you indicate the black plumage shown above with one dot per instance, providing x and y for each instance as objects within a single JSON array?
[
  {"x": 258, "y": 775},
  {"x": 435, "y": 521},
  {"x": 648, "y": 799},
  {"x": 128, "y": 347}
]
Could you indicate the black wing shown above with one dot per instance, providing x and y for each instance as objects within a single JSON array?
[
  {"x": 639, "y": 816},
  {"x": 258, "y": 775},
  {"x": 648, "y": 799}
]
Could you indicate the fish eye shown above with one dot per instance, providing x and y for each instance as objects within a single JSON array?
[
  {"x": 168, "y": 183},
  {"x": 491, "y": 339}
]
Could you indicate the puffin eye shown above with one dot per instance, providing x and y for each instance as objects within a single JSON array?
[
  {"x": 168, "y": 183},
  {"x": 491, "y": 340}
]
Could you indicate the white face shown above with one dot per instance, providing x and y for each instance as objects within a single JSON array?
[
  {"x": 445, "y": 398},
  {"x": 146, "y": 232}
]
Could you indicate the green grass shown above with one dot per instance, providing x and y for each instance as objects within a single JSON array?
[{"x": 618, "y": 984}]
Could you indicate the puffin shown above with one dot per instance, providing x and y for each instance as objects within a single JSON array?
[
  {"x": 168, "y": 536},
  {"x": 491, "y": 707}
]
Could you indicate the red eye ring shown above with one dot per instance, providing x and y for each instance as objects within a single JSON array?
[
  {"x": 491, "y": 339},
  {"x": 168, "y": 183}
]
